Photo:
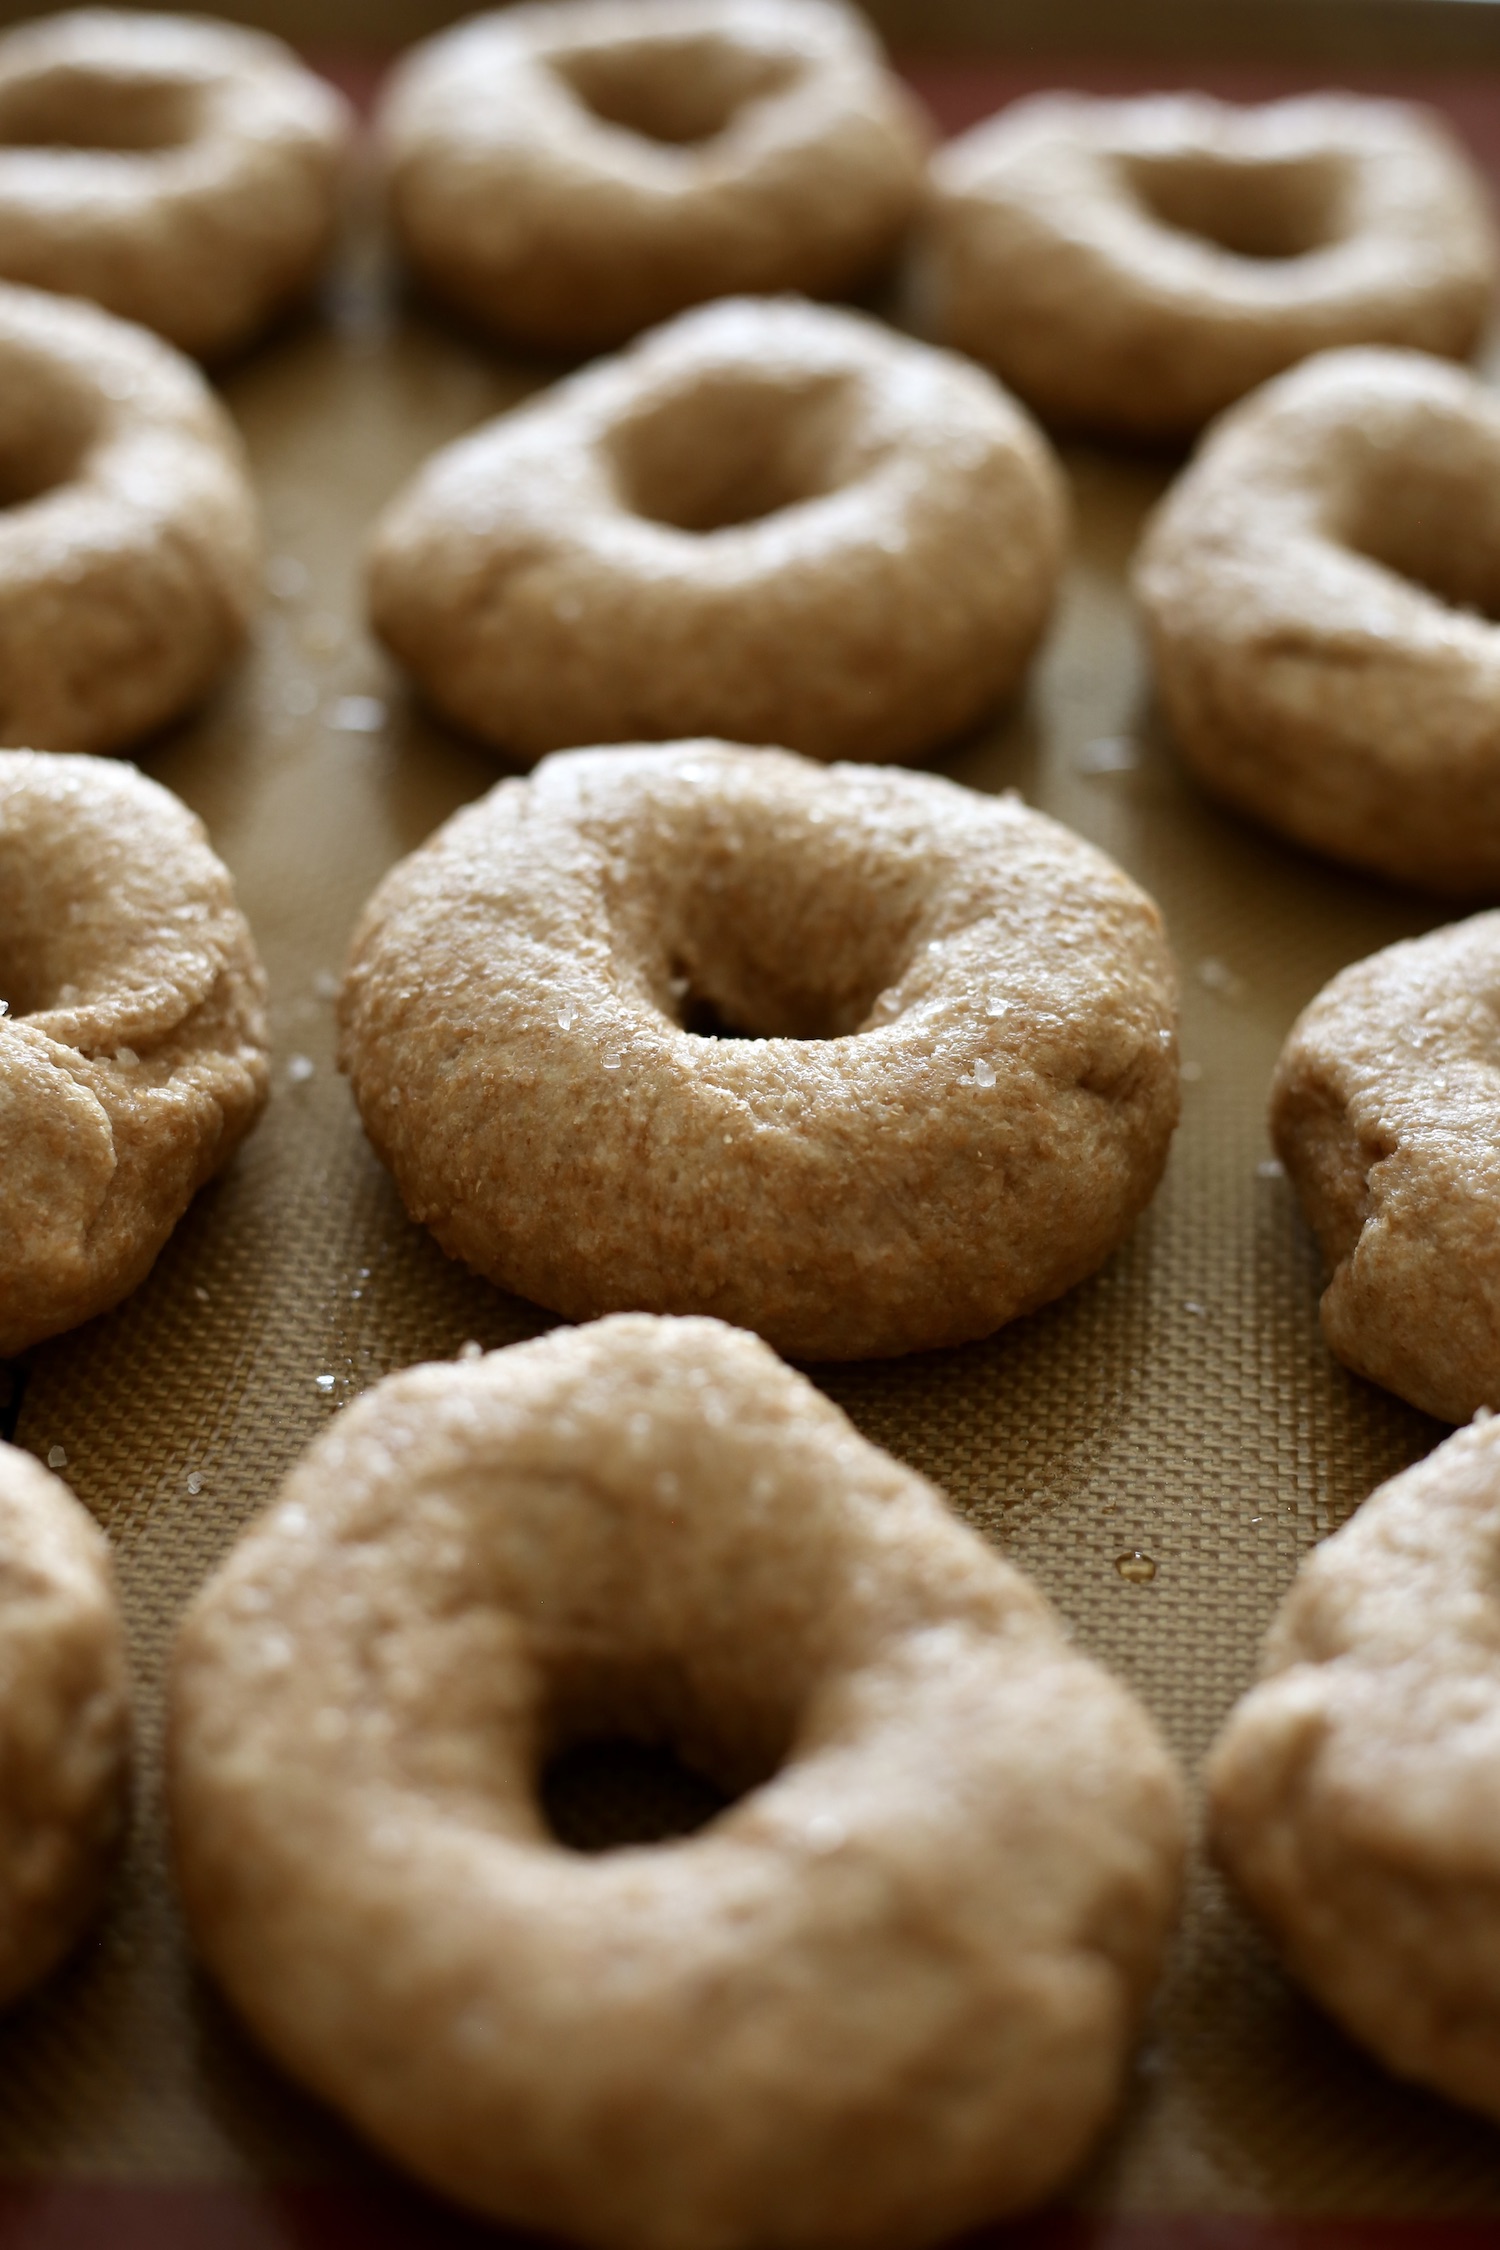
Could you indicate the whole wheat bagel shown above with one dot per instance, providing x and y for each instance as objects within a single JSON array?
[
  {"x": 182, "y": 173},
  {"x": 130, "y": 545},
  {"x": 888, "y": 1993},
  {"x": 64, "y": 1721},
  {"x": 767, "y": 520},
  {"x": 1385, "y": 1111},
  {"x": 132, "y": 1033},
  {"x": 853, "y": 1057},
  {"x": 1353, "y": 1791},
  {"x": 1136, "y": 266},
  {"x": 1320, "y": 588},
  {"x": 571, "y": 173}
]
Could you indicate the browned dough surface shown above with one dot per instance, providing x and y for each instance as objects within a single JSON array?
[
  {"x": 133, "y": 1037},
  {"x": 889, "y": 1992}
]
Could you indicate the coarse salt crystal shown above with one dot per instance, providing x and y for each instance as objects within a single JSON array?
[{"x": 357, "y": 714}]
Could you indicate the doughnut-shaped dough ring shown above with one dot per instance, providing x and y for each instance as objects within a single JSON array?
[
  {"x": 181, "y": 173},
  {"x": 130, "y": 548},
  {"x": 1314, "y": 585},
  {"x": 768, "y": 520},
  {"x": 1353, "y": 1791},
  {"x": 64, "y": 1720},
  {"x": 570, "y": 174},
  {"x": 1385, "y": 1109},
  {"x": 132, "y": 1040},
  {"x": 888, "y": 1993},
  {"x": 951, "y": 1092},
  {"x": 1137, "y": 266}
]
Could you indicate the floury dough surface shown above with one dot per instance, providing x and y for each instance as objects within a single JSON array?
[
  {"x": 1385, "y": 1109},
  {"x": 571, "y": 174},
  {"x": 133, "y": 1041},
  {"x": 1353, "y": 1791},
  {"x": 1320, "y": 588},
  {"x": 64, "y": 1720},
  {"x": 955, "y": 1096},
  {"x": 888, "y": 1993},
  {"x": 1136, "y": 266},
  {"x": 130, "y": 545},
  {"x": 180, "y": 172},
  {"x": 768, "y": 520}
]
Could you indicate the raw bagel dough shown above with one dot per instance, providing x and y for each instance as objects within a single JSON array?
[
  {"x": 1354, "y": 1791},
  {"x": 132, "y": 1037},
  {"x": 769, "y": 520},
  {"x": 1385, "y": 1109},
  {"x": 64, "y": 1721},
  {"x": 1316, "y": 587},
  {"x": 569, "y": 174},
  {"x": 180, "y": 172},
  {"x": 130, "y": 541},
  {"x": 954, "y": 1092},
  {"x": 1138, "y": 265},
  {"x": 887, "y": 1994}
]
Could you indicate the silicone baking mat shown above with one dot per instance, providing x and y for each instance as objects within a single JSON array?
[{"x": 1158, "y": 1449}]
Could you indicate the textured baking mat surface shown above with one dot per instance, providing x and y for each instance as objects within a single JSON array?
[{"x": 1158, "y": 1449}]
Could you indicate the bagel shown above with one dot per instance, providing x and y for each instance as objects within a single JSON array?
[
  {"x": 769, "y": 520},
  {"x": 1353, "y": 1791},
  {"x": 1386, "y": 1114},
  {"x": 132, "y": 1033},
  {"x": 1314, "y": 587},
  {"x": 570, "y": 174},
  {"x": 855, "y": 1058},
  {"x": 64, "y": 1721},
  {"x": 888, "y": 1993},
  {"x": 130, "y": 547},
  {"x": 1135, "y": 266},
  {"x": 181, "y": 173}
]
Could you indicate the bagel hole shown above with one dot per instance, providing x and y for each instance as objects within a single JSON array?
[
  {"x": 680, "y": 92},
  {"x": 736, "y": 998},
  {"x": 782, "y": 929},
  {"x": 1264, "y": 211},
  {"x": 27, "y": 985},
  {"x": 1435, "y": 523},
  {"x": 47, "y": 423},
  {"x": 641, "y": 1752},
  {"x": 697, "y": 1013},
  {"x": 605, "y": 1794},
  {"x": 78, "y": 108},
  {"x": 733, "y": 449},
  {"x": 29, "y": 974}
]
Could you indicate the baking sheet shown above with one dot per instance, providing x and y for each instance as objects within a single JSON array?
[{"x": 1158, "y": 1449}]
